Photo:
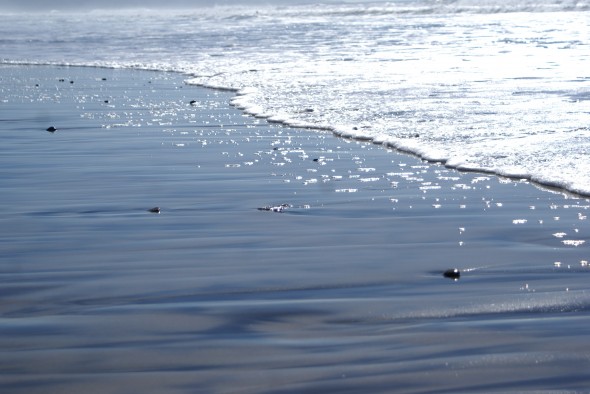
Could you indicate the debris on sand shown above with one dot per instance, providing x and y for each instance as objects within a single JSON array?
[{"x": 275, "y": 208}]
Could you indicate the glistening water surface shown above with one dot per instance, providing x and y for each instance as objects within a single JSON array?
[
  {"x": 342, "y": 291},
  {"x": 500, "y": 86}
]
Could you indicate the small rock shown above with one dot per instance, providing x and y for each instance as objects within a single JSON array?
[
  {"x": 51, "y": 129},
  {"x": 193, "y": 102},
  {"x": 154, "y": 210},
  {"x": 452, "y": 273}
]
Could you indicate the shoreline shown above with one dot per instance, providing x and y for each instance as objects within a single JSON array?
[
  {"x": 341, "y": 290},
  {"x": 549, "y": 186}
]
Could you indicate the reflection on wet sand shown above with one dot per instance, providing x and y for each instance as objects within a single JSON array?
[{"x": 337, "y": 292}]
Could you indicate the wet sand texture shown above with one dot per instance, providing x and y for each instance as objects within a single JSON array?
[{"x": 342, "y": 290}]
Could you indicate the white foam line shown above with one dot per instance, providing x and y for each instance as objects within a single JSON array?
[{"x": 414, "y": 147}]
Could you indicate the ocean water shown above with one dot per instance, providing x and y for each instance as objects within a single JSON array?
[
  {"x": 493, "y": 86},
  {"x": 341, "y": 292}
]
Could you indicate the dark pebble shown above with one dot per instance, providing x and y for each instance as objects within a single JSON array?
[
  {"x": 106, "y": 101},
  {"x": 51, "y": 129},
  {"x": 316, "y": 160},
  {"x": 154, "y": 210},
  {"x": 104, "y": 79},
  {"x": 452, "y": 273},
  {"x": 193, "y": 102}
]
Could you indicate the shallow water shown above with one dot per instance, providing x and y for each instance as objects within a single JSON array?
[
  {"x": 500, "y": 86},
  {"x": 341, "y": 292}
]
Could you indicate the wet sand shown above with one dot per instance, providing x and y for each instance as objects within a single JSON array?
[{"x": 341, "y": 291}]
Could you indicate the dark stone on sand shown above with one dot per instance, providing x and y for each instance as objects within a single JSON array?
[
  {"x": 316, "y": 160},
  {"x": 62, "y": 80},
  {"x": 355, "y": 128},
  {"x": 452, "y": 273},
  {"x": 51, "y": 129},
  {"x": 154, "y": 210},
  {"x": 71, "y": 81},
  {"x": 104, "y": 79},
  {"x": 193, "y": 102},
  {"x": 106, "y": 101}
]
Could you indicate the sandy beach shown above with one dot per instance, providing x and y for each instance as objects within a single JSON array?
[{"x": 281, "y": 260}]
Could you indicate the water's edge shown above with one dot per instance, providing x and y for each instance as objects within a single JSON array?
[{"x": 547, "y": 186}]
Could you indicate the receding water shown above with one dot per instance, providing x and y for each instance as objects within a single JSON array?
[{"x": 496, "y": 86}]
